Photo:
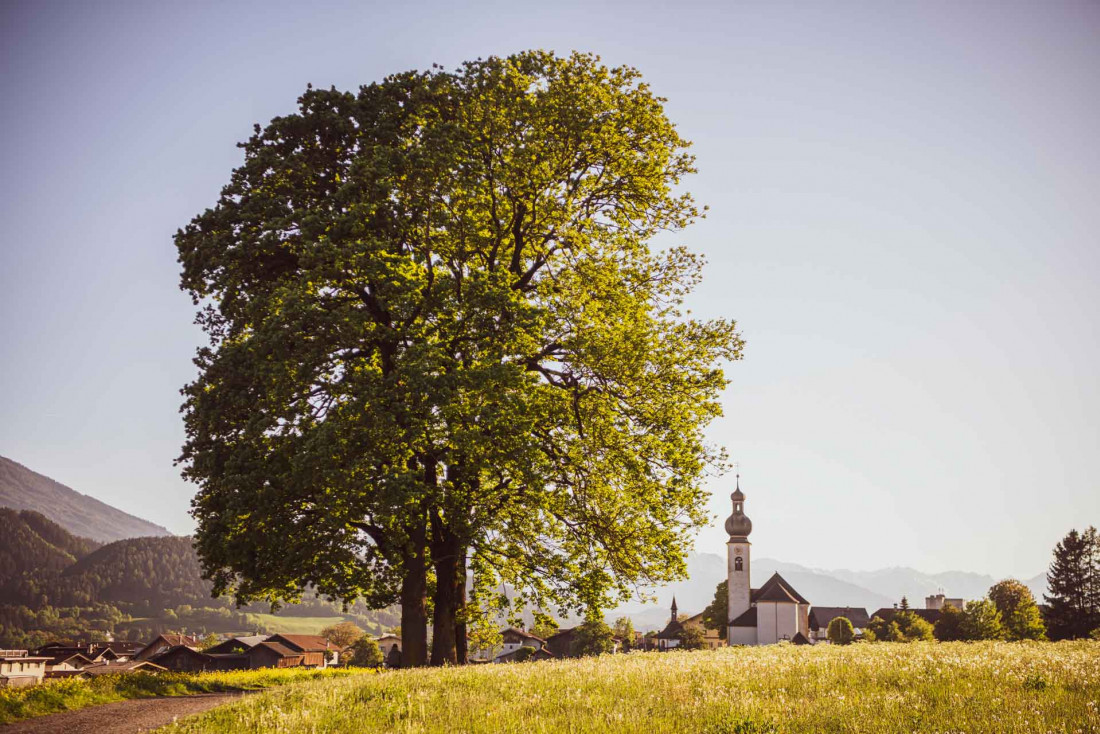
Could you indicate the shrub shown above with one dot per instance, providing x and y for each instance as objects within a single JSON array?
[
  {"x": 982, "y": 621},
  {"x": 840, "y": 631},
  {"x": 949, "y": 627},
  {"x": 366, "y": 653},
  {"x": 592, "y": 638},
  {"x": 691, "y": 638}
]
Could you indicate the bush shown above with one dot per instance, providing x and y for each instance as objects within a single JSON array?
[
  {"x": 840, "y": 631},
  {"x": 592, "y": 638},
  {"x": 905, "y": 626},
  {"x": 524, "y": 654},
  {"x": 691, "y": 638},
  {"x": 366, "y": 653},
  {"x": 949, "y": 627},
  {"x": 982, "y": 621}
]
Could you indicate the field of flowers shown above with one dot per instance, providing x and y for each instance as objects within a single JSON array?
[
  {"x": 69, "y": 695},
  {"x": 934, "y": 687}
]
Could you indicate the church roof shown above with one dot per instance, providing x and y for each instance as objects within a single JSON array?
[
  {"x": 747, "y": 618},
  {"x": 671, "y": 631},
  {"x": 777, "y": 589}
]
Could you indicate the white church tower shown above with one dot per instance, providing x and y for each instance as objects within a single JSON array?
[{"x": 738, "y": 526}]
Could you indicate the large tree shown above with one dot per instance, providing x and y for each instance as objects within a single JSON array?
[
  {"x": 1074, "y": 584},
  {"x": 441, "y": 343}
]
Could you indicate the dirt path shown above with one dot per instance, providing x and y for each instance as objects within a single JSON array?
[{"x": 122, "y": 717}]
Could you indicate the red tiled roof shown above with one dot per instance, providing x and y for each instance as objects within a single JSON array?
[{"x": 304, "y": 643}]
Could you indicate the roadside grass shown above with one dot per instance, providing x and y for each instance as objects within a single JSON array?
[
  {"x": 934, "y": 687},
  {"x": 68, "y": 695}
]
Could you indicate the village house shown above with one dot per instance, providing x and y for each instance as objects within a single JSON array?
[
  {"x": 316, "y": 651},
  {"x": 162, "y": 643},
  {"x": 18, "y": 669}
]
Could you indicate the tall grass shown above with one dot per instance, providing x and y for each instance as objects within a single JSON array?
[
  {"x": 67, "y": 695},
  {"x": 949, "y": 687}
]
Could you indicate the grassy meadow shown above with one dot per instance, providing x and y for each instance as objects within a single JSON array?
[
  {"x": 68, "y": 695},
  {"x": 933, "y": 687},
  {"x": 292, "y": 625}
]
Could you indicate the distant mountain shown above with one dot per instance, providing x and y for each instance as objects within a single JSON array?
[
  {"x": 81, "y": 515},
  {"x": 868, "y": 589}
]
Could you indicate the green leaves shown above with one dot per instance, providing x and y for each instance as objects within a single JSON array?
[{"x": 436, "y": 298}]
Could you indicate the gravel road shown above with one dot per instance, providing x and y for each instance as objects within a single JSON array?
[{"x": 123, "y": 717}]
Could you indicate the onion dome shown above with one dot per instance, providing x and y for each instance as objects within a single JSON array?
[{"x": 738, "y": 525}]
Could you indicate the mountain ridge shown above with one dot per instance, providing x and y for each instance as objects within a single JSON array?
[
  {"x": 22, "y": 488},
  {"x": 870, "y": 590}
]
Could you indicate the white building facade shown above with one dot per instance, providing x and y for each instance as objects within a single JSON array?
[{"x": 764, "y": 616}]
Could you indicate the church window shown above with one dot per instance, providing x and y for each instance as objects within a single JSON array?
[{"x": 738, "y": 564}]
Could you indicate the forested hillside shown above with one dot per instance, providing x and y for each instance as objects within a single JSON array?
[
  {"x": 30, "y": 541},
  {"x": 55, "y": 585},
  {"x": 24, "y": 489}
]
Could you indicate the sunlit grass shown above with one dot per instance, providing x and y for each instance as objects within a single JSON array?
[
  {"x": 67, "y": 695},
  {"x": 952, "y": 687}
]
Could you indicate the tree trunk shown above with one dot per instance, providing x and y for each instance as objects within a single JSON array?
[
  {"x": 414, "y": 613},
  {"x": 445, "y": 558},
  {"x": 461, "y": 648}
]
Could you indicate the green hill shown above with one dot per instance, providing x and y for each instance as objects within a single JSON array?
[
  {"x": 30, "y": 542},
  {"x": 54, "y": 585}
]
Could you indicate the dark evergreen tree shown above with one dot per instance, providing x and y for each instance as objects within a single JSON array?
[{"x": 1073, "y": 580}]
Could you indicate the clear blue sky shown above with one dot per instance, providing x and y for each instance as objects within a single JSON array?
[{"x": 904, "y": 220}]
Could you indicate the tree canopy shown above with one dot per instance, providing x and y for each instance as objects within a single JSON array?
[
  {"x": 1019, "y": 612},
  {"x": 440, "y": 340},
  {"x": 1074, "y": 583},
  {"x": 841, "y": 631}
]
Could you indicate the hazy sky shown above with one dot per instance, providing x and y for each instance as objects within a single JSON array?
[{"x": 904, "y": 221}]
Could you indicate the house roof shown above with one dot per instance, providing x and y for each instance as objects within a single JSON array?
[
  {"x": 127, "y": 667},
  {"x": 821, "y": 616},
  {"x": 236, "y": 644},
  {"x": 282, "y": 650},
  {"x": 173, "y": 640},
  {"x": 304, "y": 643},
  {"x": 671, "y": 631},
  {"x": 67, "y": 656},
  {"x": 522, "y": 634},
  {"x": 746, "y": 618},
  {"x": 778, "y": 590},
  {"x": 800, "y": 639}
]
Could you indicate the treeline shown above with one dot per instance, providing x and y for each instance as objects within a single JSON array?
[
  {"x": 54, "y": 585},
  {"x": 1009, "y": 611}
]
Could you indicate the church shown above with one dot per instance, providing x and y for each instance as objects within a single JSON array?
[{"x": 769, "y": 614}]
